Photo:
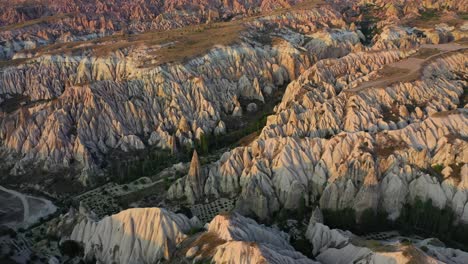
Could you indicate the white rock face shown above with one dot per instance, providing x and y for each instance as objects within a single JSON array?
[
  {"x": 142, "y": 235},
  {"x": 445, "y": 255},
  {"x": 240, "y": 240},
  {"x": 83, "y": 106},
  {"x": 378, "y": 154},
  {"x": 333, "y": 246}
]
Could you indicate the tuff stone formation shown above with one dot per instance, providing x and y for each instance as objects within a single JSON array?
[
  {"x": 371, "y": 162},
  {"x": 127, "y": 237},
  {"x": 358, "y": 106},
  {"x": 143, "y": 235}
]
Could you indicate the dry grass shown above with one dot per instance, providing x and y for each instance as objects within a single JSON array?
[
  {"x": 390, "y": 146},
  {"x": 389, "y": 72},
  {"x": 430, "y": 18},
  {"x": 304, "y": 5},
  {"x": 245, "y": 141},
  {"x": 45, "y": 19},
  {"x": 184, "y": 42},
  {"x": 388, "y": 76},
  {"x": 15, "y": 62},
  {"x": 375, "y": 245},
  {"x": 207, "y": 243},
  {"x": 193, "y": 41},
  {"x": 425, "y": 53},
  {"x": 446, "y": 113},
  {"x": 415, "y": 255},
  {"x": 178, "y": 45}
]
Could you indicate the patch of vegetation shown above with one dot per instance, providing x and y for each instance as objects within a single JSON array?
[
  {"x": 126, "y": 167},
  {"x": 207, "y": 144},
  {"x": 438, "y": 168},
  {"x": 463, "y": 16},
  {"x": 373, "y": 221},
  {"x": 391, "y": 113},
  {"x": 71, "y": 248},
  {"x": 303, "y": 245},
  {"x": 374, "y": 245},
  {"x": 429, "y": 14},
  {"x": 369, "y": 221},
  {"x": 429, "y": 220},
  {"x": 13, "y": 62},
  {"x": 194, "y": 230},
  {"x": 342, "y": 219},
  {"x": 32, "y": 22},
  {"x": 390, "y": 147},
  {"x": 368, "y": 24},
  {"x": 463, "y": 98},
  {"x": 425, "y": 53},
  {"x": 425, "y": 249},
  {"x": 419, "y": 218}
]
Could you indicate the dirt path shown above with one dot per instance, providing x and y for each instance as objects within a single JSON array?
[
  {"x": 408, "y": 69},
  {"x": 22, "y": 210},
  {"x": 23, "y": 200}
]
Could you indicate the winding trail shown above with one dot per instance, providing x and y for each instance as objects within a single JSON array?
[
  {"x": 409, "y": 68},
  {"x": 33, "y": 208},
  {"x": 23, "y": 200}
]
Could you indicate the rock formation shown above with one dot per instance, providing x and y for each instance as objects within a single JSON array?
[
  {"x": 195, "y": 179},
  {"x": 373, "y": 118},
  {"x": 79, "y": 107},
  {"x": 374, "y": 154},
  {"x": 336, "y": 246},
  {"x": 236, "y": 239},
  {"x": 143, "y": 235}
]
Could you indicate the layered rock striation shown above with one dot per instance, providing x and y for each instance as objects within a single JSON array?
[{"x": 143, "y": 235}]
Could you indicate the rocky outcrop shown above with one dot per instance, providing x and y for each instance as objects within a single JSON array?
[
  {"x": 143, "y": 235},
  {"x": 78, "y": 108},
  {"x": 195, "y": 179},
  {"x": 378, "y": 150},
  {"x": 336, "y": 246},
  {"x": 29, "y": 26},
  {"x": 242, "y": 240}
]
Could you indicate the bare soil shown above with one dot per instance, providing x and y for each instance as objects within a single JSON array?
[{"x": 408, "y": 69}]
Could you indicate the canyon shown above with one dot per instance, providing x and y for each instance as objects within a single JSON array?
[{"x": 256, "y": 131}]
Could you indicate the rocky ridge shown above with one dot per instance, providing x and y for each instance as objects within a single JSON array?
[
  {"x": 365, "y": 161},
  {"x": 232, "y": 238},
  {"x": 31, "y": 25},
  {"x": 169, "y": 105},
  {"x": 143, "y": 235}
]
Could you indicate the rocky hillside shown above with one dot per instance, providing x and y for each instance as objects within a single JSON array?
[
  {"x": 232, "y": 238},
  {"x": 26, "y": 25},
  {"x": 347, "y": 147},
  {"x": 353, "y": 113},
  {"x": 82, "y": 106},
  {"x": 144, "y": 235}
]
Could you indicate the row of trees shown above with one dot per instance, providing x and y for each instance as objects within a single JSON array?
[
  {"x": 144, "y": 163},
  {"x": 420, "y": 217},
  {"x": 423, "y": 217},
  {"x": 125, "y": 167},
  {"x": 208, "y": 143}
]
